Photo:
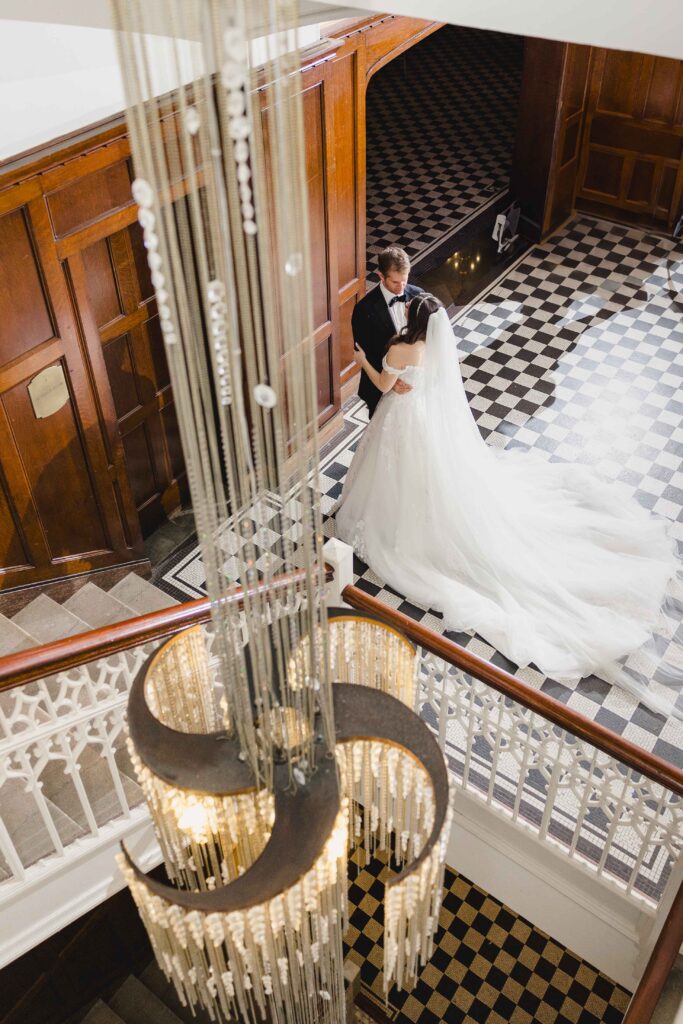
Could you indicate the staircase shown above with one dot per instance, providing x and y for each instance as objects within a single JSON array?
[
  {"x": 44, "y": 619},
  {"x": 148, "y": 999},
  {"x": 68, "y": 787}
]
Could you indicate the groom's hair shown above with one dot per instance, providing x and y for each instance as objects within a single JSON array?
[{"x": 393, "y": 258}]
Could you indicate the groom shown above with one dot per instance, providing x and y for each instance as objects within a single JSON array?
[{"x": 381, "y": 315}]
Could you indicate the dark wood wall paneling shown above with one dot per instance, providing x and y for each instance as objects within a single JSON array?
[
  {"x": 549, "y": 127},
  {"x": 632, "y": 157},
  {"x": 365, "y": 48},
  {"x": 95, "y": 222},
  {"x": 79, "y": 489},
  {"x": 601, "y": 130},
  {"x": 65, "y": 504},
  {"x": 537, "y": 128}
]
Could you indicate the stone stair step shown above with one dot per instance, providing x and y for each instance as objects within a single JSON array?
[
  {"x": 169, "y": 538},
  {"x": 97, "y": 781},
  {"x": 136, "y": 1004},
  {"x": 141, "y": 595},
  {"x": 155, "y": 981},
  {"x": 98, "y": 608},
  {"x": 100, "y": 1013},
  {"x": 26, "y": 827},
  {"x": 124, "y": 762},
  {"x": 13, "y": 638},
  {"x": 46, "y": 620}
]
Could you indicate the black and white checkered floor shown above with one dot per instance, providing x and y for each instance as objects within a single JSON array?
[
  {"x": 490, "y": 966},
  {"x": 440, "y": 124},
  {"x": 577, "y": 351}
]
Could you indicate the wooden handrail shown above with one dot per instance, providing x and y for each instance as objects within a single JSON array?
[
  {"x": 555, "y": 711},
  {"x": 72, "y": 651},
  {"x": 662, "y": 959},
  {"x": 61, "y": 655}
]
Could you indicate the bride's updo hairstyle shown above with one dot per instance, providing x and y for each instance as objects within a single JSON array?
[{"x": 419, "y": 312}]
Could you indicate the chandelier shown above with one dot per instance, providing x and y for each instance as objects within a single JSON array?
[{"x": 273, "y": 743}]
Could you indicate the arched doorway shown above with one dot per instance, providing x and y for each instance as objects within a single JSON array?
[{"x": 440, "y": 130}]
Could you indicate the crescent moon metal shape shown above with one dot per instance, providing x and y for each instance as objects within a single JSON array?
[
  {"x": 362, "y": 713},
  {"x": 203, "y": 762},
  {"x": 303, "y": 817},
  {"x": 303, "y": 822}
]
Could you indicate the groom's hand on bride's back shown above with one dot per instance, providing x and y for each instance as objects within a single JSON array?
[{"x": 401, "y": 388}]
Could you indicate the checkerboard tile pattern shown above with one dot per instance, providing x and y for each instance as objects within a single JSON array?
[
  {"x": 490, "y": 966},
  {"x": 267, "y": 535},
  {"x": 577, "y": 352},
  {"x": 440, "y": 133}
]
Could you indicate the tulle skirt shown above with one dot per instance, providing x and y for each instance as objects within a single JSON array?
[{"x": 549, "y": 563}]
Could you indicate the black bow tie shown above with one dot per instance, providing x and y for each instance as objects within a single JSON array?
[{"x": 398, "y": 298}]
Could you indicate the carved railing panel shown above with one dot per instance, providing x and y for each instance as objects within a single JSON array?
[
  {"x": 64, "y": 769},
  {"x": 617, "y": 822}
]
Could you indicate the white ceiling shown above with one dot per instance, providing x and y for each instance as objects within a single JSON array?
[
  {"x": 97, "y": 13},
  {"x": 59, "y": 68},
  {"x": 59, "y": 71},
  {"x": 645, "y": 26}
]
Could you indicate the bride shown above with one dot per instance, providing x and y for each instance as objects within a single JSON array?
[{"x": 548, "y": 562}]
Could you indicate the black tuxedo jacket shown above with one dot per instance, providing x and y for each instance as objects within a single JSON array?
[{"x": 372, "y": 327}]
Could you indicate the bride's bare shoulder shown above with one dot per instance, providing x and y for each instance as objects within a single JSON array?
[
  {"x": 396, "y": 354},
  {"x": 402, "y": 354}
]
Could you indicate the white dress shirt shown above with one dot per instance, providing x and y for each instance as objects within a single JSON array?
[{"x": 398, "y": 310}]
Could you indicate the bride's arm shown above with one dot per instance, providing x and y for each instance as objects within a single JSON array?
[{"x": 383, "y": 381}]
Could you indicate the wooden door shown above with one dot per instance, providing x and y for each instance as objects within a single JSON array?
[
  {"x": 320, "y": 179},
  {"x": 322, "y": 221},
  {"x": 94, "y": 223},
  {"x": 632, "y": 155},
  {"x": 60, "y": 511},
  {"x": 116, "y": 296}
]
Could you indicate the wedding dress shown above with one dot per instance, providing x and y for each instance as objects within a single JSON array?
[{"x": 548, "y": 562}]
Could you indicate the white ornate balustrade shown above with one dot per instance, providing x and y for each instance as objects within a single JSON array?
[
  {"x": 616, "y": 823},
  {"x": 68, "y": 793},
  {"x": 64, "y": 770},
  {"x": 64, "y": 773}
]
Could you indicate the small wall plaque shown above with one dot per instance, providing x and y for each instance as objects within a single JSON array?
[{"x": 48, "y": 391}]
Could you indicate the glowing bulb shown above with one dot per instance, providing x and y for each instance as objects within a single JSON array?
[
  {"x": 337, "y": 843},
  {"x": 194, "y": 821}
]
